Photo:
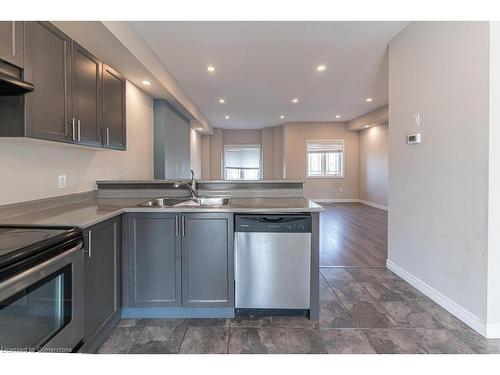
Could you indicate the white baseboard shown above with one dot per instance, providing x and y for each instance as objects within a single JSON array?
[
  {"x": 452, "y": 307},
  {"x": 335, "y": 200},
  {"x": 349, "y": 200},
  {"x": 376, "y": 205}
]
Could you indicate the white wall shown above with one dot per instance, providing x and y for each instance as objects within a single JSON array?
[
  {"x": 374, "y": 164},
  {"x": 493, "y": 308},
  {"x": 29, "y": 171},
  {"x": 438, "y": 191},
  {"x": 195, "y": 150}
]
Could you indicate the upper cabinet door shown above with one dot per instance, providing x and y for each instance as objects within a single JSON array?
[
  {"x": 48, "y": 66},
  {"x": 113, "y": 109},
  {"x": 85, "y": 89},
  {"x": 12, "y": 42}
]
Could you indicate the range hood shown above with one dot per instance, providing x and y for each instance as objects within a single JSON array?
[{"x": 10, "y": 86}]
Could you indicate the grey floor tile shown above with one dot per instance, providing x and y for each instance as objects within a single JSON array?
[
  {"x": 251, "y": 321},
  {"x": 159, "y": 340},
  {"x": 380, "y": 292},
  {"x": 217, "y": 322},
  {"x": 393, "y": 341},
  {"x": 410, "y": 314},
  {"x": 384, "y": 274},
  {"x": 293, "y": 322},
  {"x": 336, "y": 274},
  {"x": 362, "y": 274},
  {"x": 120, "y": 340},
  {"x": 275, "y": 341},
  {"x": 325, "y": 291},
  {"x": 441, "y": 341},
  {"x": 333, "y": 315},
  {"x": 163, "y": 322},
  {"x": 345, "y": 341},
  {"x": 205, "y": 340},
  {"x": 479, "y": 343},
  {"x": 443, "y": 316},
  {"x": 405, "y": 290},
  {"x": 351, "y": 291},
  {"x": 129, "y": 322},
  {"x": 369, "y": 315}
]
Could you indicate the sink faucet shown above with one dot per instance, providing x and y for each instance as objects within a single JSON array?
[{"x": 191, "y": 186}]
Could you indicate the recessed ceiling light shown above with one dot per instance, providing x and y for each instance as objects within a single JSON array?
[
  {"x": 282, "y": 116},
  {"x": 338, "y": 116},
  {"x": 222, "y": 100},
  {"x": 368, "y": 100},
  {"x": 321, "y": 68},
  {"x": 367, "y": 126},
  {"x": 295, "y": 100},
  {"x": 227, "y": 117},
  {"x": 211, "y": 68},
  {"x": 145, "y": 82}
]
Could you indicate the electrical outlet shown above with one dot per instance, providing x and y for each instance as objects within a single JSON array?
[{"x": 61, "y": 181}]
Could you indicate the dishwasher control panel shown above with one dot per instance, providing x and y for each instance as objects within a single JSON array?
[{"x": 273, "y": 223}]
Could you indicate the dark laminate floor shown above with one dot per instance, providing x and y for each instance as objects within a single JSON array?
[
  {"x": 353, "y": 234},
  {"x": 363, "y": 310}
]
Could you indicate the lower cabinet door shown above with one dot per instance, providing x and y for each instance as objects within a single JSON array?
[
  {"x": 102, "y": 274},
  {"x": 153, "y": 260},
  {"x": 207, "y": 260}
]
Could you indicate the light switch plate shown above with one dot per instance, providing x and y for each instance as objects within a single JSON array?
[
  {"x": 415, "y": 121},
  {"x": 61, "y": 181}
]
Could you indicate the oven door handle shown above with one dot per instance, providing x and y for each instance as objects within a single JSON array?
[{"x": 19, "y": 282}]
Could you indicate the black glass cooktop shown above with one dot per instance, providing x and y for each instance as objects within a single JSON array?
[{"x": 19, "y": 243}]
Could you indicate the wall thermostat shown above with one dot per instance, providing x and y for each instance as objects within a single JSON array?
[{"x": 413, "y": 139}]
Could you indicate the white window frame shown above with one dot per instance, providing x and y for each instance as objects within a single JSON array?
[
  {"x": 261, "y": 172},
  {"x": 325, "y": 141}
]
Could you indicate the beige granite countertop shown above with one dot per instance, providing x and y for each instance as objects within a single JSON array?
[{"x": 92, "y": 211}]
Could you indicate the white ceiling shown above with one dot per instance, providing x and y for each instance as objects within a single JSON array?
[{"x": 261, "y": 66}]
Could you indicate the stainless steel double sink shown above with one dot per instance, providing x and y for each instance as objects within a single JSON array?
[{"x": 215, "y": 201}]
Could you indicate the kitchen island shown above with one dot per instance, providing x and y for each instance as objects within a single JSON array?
[{"x": 165, "y": 262}]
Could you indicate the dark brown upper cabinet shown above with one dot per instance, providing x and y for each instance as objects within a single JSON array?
[
  {"x": 48, "y": 67},
  {"x": 12, "y": 42},
  {"x": 77, "y": 99},
  {"x": 85, "y": 97},
  {"x": 113, "y": 109}
]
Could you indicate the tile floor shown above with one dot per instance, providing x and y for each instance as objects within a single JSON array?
[{"x": 363, "y": 310}]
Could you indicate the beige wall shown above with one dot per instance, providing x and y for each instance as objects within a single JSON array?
[
  {"x": 213, "y": 150},
  {"x": 195, "y": 152},
  {"x": 438, "y": 191},
  {"x": 295, "y": 136},
  {"x": 374, "y": 164},
  {"x": 29, "y": 171}
]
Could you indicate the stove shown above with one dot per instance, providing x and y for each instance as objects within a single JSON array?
[{"x": 19, "y": 244}]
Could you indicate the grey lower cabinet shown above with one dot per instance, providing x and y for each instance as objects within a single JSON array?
[
  {"x": 179, "y": 260},
  {"x": 102, "y": 279},
  {"x": 12, "y": 42},
  {"x": 207, "y": 260},
  {"x": 152, "y": 266}
]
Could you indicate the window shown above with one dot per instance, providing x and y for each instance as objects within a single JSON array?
[
  {"x": 325, "y": 158},
  {"x": 242, "y": 162}
]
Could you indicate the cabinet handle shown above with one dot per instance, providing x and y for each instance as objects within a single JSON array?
[
  {"x": 176, "y": 225},
  {"x": 89, "y": 252},
  {"x": 79, "y": 131},
  {"x": 183, "y": 224},
  {"x": 107, "y": 136},
  {"x": 73, "y": 133}
]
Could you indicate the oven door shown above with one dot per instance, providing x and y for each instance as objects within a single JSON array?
[{"x": 41, "y": 309}]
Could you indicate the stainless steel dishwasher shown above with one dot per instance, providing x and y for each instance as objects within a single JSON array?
[{"x": 272, "y": 262}]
